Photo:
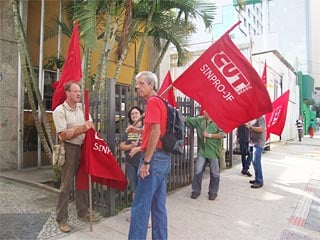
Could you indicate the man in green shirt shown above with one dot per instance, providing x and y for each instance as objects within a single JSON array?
[{"x": 209, "y": 142}]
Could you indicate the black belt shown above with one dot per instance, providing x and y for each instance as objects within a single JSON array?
[
  {"x": 77, "y": 145},
  {"x": 160, "y": 150}
]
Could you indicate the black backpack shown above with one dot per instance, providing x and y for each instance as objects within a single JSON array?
[{"x": 173, "y": 139}]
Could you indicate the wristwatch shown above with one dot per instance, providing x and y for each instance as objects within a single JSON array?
[
  {"x": 210, "y": 135},
  {"x": 146, "y": 163}
]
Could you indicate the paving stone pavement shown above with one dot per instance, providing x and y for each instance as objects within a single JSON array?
[
  {"x": 288, "y": 205},
  {"x": 27, "y": 212}
]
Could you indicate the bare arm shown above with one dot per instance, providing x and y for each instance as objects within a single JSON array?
[
  {"x": 212, "y": 135},
  {"x": 152, "y": 144},
  {"x": 75, "y": 131},
  {"x": 125, "y": 147},
  {"x": 132, "y": 129},
  {"x": 255, "y": 129}
]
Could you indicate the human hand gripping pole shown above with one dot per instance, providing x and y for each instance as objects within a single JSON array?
[{"x": 86, "y": 117}]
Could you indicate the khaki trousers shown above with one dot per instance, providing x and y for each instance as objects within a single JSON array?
[{"x": 68, "y": 172}]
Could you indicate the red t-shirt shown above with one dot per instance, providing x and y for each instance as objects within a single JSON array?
[{"x": 156, "y": 112}]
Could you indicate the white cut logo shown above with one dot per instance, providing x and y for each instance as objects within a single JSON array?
[{"x": 231, "y": 72}]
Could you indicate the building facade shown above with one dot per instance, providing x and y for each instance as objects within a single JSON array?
[
  {"x": 18, "y": 136},
  {"x": 258, "y": 45}
]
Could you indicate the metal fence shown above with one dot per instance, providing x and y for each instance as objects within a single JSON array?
[{"x": 111, "y": 121}]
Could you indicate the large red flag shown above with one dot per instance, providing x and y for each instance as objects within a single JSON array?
[
  {"x": 264, "y": 74},
  {"x": 276, "y": 119},
  {"x": 98, "y": 160},
  {"x": 71, "y": 69},
  {"x": 169, "y": 94},
  {"x": 226, "y": 85}
]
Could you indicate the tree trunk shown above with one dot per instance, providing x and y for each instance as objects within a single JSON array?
[
  {"x": 143, "y": 42},
  {"x": 23, "y": 50}
]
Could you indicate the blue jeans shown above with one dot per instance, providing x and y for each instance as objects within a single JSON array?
[
  {"x": 214, "y": 175},
  {"x": 151, "y": 196},
  {"x": 256, "y": 161},
  {"x": 132, "y": 175},
  {"x": 245, "y": 156}
]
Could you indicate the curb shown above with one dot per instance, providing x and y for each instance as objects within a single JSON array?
[{"x": 33, "y": 184}]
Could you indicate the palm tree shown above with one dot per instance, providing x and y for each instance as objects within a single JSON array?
[{"x": 170, "y": 21}]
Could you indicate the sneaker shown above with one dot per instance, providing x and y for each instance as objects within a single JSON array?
[
  {"x": 195, "y": 195},
  {"x": 257, "y": 185},
  {"x": 252, "y": 181},
  {"x": 95, "y": 218},
  {"x": 247, "y": 173},
  {"x": 212, "y": 197},
  {"x": 64, "y": 227}
]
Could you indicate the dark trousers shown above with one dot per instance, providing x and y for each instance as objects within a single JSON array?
[
  {"x": 300, "y": 134},
  {"x": 246, "y": 156},
  {"x": 68, "y": 172}
]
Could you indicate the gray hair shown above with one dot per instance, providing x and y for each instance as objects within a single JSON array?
[{"x": 150, "y": 77}]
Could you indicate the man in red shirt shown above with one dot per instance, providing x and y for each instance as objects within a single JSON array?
[{"x": 154, "y": 166}]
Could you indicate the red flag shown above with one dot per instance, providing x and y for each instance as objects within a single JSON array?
[
  {"x": 98, "y": 160},
  {"x": 264, "y": 74},
  {"x": 226, "y": 85},
  {"x": 71, "y": 69},
  {"x": 169, "y": 94},
  {"x": 276, "y": 119}
]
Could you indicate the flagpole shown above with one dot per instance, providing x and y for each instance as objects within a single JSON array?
[
  {"x": 90, "y": 202},
  {"x": 85, "y": 106},
  {"x": 204, "y": 125},
  {"x": 166, "y": 90},
  {"x": 233, "y": 27}
]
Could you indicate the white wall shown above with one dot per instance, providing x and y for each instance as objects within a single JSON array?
[{"x": 277, "y": 70}]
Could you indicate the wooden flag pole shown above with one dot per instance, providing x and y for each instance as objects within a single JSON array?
[
  {"x": 204, "y": 125},
  {"x": 90, "y": 202},
  {"x": 86, "y": 106},
  {"x": 166, "y": 90}
]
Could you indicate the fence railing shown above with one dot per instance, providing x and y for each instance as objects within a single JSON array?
[{"x": 112, "y": 125}]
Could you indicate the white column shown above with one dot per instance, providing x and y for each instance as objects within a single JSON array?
[
  {"x": 20, "y": 112},
  {"x": 41, "y": 75}
]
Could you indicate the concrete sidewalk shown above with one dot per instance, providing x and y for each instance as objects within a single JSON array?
[{"x": 287, "y": 207}]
